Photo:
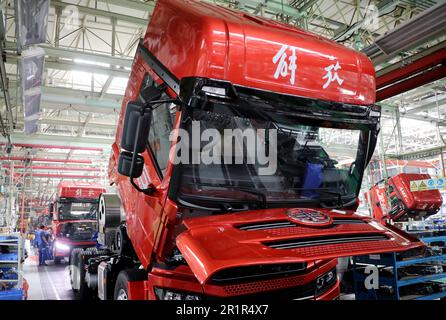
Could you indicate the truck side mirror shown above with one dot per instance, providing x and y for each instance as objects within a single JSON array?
[
  {"x": 136, "y": 127},
  {"x": 125, "y": 165},
  {"x": 135, "y": 133}
]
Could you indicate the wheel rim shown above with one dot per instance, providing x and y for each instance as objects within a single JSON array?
[
  {"x": 118, "y": 241},
  {"x": 122, "y": 295},
  {"x": 101, "y": 208},
  {"x": 78, "y": 279}
]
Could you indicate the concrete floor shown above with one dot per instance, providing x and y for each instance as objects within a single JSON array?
[{"x": 50, "y": 282}]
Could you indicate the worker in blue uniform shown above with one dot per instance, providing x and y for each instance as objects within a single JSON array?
[{"x": 42, "y": 244}]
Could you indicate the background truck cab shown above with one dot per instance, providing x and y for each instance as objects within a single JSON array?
[
  {"x": 393, "y": 200},
  {"x": 74, "y": 217}
]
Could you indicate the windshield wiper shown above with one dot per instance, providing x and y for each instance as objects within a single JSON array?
[
  {"x": 340, "y": 204},
  {"x": 260, "y": 194}
]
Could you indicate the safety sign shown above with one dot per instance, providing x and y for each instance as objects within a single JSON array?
[{"x": 428, "y": 184}]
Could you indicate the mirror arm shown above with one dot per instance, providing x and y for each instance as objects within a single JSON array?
[
  {"x": 151, "y": 188},
  {"x": 149, "y": 191},
  {"x": 150, "y": 105},
  {"x": 135, "y": 147}
]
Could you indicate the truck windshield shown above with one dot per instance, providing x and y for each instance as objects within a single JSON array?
[
  {"x": 297, "y": 159},
  {"x": 80, "y": 231},
  {"x": 78, "y": 210}
]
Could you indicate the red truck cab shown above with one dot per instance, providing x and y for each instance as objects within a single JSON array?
[
  {"x": 187, "y": 228},
  {"x": 395, "y": 201},
  {"x": 74, "y": 217}
]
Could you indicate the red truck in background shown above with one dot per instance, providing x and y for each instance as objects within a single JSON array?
[
  {"x": 404, "y": 203},
  {"x": 74, "y": 217},
  {"x": 191, "y": 231}
]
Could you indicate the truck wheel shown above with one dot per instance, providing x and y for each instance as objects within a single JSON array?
[
  {"x": 74, "y": 279},
  {"x": 57, "y": 260},
  {"x": 121, "y": 286},
  {"x": 97, "y": 252},
  {"x": 123, "y": 243},
  {"x": 84, "y": 293},
  {"x": 124, "y": 277}
]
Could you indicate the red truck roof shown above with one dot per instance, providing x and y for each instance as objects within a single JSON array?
[
  {"x": 79, "y": 190},
  {"x": 203, "y": 40}
]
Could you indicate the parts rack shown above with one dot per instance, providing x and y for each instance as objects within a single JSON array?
[
  {"x": 390, "y": 285},
  {"x": 11, "y": 282}
]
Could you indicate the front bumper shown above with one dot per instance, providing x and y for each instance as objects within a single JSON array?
[
  {"x": 298, "y": 287},
  {"x": 62, "y": 253}
]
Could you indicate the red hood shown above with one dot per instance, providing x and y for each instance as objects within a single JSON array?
[{"x": 211, "y": 244}]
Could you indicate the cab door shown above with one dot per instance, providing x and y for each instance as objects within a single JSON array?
[{"x": 147, "y": 221}]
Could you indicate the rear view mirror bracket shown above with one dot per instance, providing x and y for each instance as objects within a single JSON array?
[
  {"x": 150, "y": 190},
  {"x": 134, "y": 137}
]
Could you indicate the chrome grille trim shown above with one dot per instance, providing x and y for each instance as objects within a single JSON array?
[
  {"x": 318, "y": 241},
  {"x": 289, "y": 224}
]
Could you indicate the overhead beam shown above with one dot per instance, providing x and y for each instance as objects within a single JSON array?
[
  {"x": 427, "y": 105},
  {"x": 427, "y": 89},
  {"x": 422, "y": 28},
  {"x": 411, "y": 83},
  {"x": 104, "y": 13},
  {"x": 87, "y": 56},
  {"x": 54, "y": 168},
  {"x": 68, "y": 141},
  {"x": 50, "y": 146},
  {"x": 64, "y": 176},
  {"x": 49, "y": 160},
  {"x": 131, "y": 4},
  {"x": 92, "y": 100},
  {"x": 66, "y": 65},
  {"x": 58, "y": 98},
  {"x": 72, "y": 123},
  {"x": 106, "y": 86},
  {"x": 72, "y": 66},
  {"x": 72, "y": 54},
  {"x": 411, "y": 69},
  {"x": 389, "y": 111},
  {"x": 307, "y": 5},
  {"x": 345, "y": 32},
  {"x": 421, "y": 154},
  {"x": 84, "y": 93},
  {"x": 411, "y": 59}
]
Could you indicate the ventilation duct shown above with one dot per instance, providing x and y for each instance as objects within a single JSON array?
[{"x": 422, "y": 28}]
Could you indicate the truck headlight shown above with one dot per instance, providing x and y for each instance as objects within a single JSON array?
[
  {"x": 165, "y": 294},
  {"x": 62, "y": 246},
  {"x": 326, "y": 281}
]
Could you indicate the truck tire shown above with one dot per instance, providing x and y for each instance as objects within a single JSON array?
[
  {"x": 74, "y": 257},
  {"x": 121, "y": 286},
  {"x": 84, "y": 292},
  {"x": 97, "y": 252},
  {"x": 57, "y": 260},
  {"x": 123, "y": 244},
  {"x": 124, "y": 277}
]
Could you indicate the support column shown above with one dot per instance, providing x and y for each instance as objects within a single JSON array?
[{"x": 399, "y": 135}]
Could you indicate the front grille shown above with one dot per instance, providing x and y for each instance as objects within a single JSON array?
[
  {"x": 286, "y": 288},
  {"x": 341, "y": 221},
  {"x": 324, "y": 240},
  {"x": 280, "y": 289},
  {"x": 267, "y": 226},
  {"x": 278, "y": 224},
  {"x": 257, "y": 273}
]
